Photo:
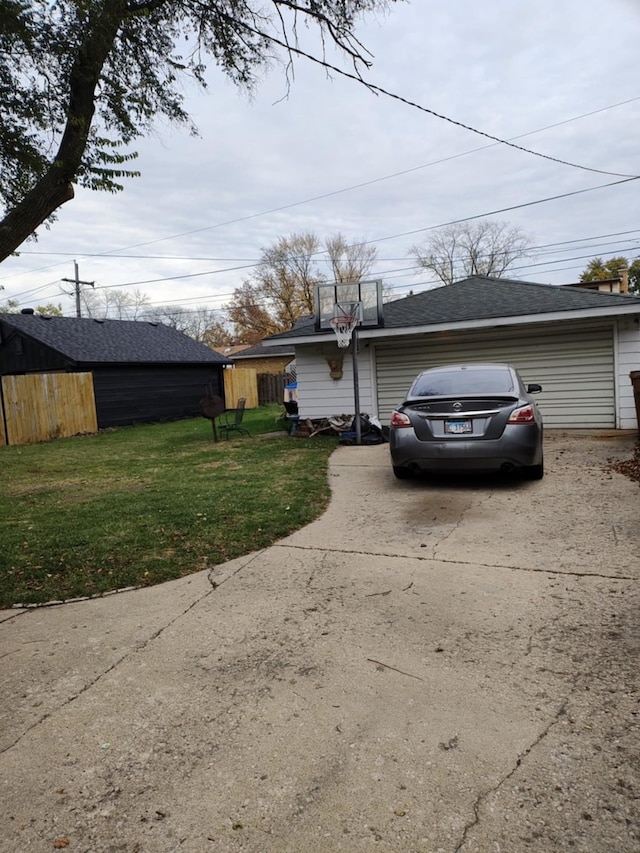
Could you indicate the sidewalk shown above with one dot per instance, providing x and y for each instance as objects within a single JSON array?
[{"x": 437, "y": 666}]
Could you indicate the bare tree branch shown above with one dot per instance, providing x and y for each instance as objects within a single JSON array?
[{"x": 463, "y": 249}]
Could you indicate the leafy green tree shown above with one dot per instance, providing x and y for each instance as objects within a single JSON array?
[
  {"x": 599, "y": 270},
  {"x": 80, "y": 80},
  {"x": 49, "y": 310},
  {"x": 12, "y": 306}
]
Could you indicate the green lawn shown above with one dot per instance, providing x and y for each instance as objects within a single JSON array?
[{"x": 143, "y": 504}]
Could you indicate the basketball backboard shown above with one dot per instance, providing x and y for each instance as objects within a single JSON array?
[{"x": 368, "y": 293}]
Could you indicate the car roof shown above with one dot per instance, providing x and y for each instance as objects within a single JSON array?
[{"x": 476, "y": 365}]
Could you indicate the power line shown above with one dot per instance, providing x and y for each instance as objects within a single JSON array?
[
  {"x": 373, "y": 88},
  {"x": 362, "y": 184},
  {"x": 403, "y": 234}
]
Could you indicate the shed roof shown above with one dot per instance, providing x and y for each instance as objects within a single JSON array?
[{"x": 87, "y": 341}]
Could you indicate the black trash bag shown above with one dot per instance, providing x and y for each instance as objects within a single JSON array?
[{"x": 370, "y": 433}]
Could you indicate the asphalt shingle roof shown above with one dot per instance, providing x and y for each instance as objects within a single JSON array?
[
  {"x": 89, "y": 341},
  {"x": 484, "y": 298},
  {"x": 481, "y": 298},
  {"x": 260, "y": 351}
]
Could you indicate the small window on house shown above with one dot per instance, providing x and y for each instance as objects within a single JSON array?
[{"x": 19, "y": 346}]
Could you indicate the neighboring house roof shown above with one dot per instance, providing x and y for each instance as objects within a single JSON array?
[
  {"x": 231, "y": 351},
  {"x": 480, "y": 300},
  {"x": 606, "y": 285},
  {"x": 90, "y": 341},
  {"x": 260, "y": 351}
]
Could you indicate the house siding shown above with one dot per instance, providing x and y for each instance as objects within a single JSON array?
[
  {"x": 628, "y": 359},
  {"x": 574, "y": 364},
  {"x": 319, "y": 396},
  {"x": 583, "y": 366}
]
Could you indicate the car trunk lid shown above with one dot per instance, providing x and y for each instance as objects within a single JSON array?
[{"x": 460, "y": 416}]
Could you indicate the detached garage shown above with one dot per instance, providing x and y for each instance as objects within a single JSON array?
[
  {"x": 139, "y": 371},
  {"x": 579, "y": 344}
]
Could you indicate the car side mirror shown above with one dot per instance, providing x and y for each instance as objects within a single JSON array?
[{"x": 534, "y": 389}]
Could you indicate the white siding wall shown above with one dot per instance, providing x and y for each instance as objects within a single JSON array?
[
  {"x": 579, "y": 385},
  {"x": 628, "y": 359},
  {"x": 319, "y": 396}
]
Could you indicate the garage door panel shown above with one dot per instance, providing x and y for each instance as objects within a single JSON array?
[{"x": 575, "y": 368}]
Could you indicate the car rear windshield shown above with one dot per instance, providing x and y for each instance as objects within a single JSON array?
[{"x": 453, "y": 382}]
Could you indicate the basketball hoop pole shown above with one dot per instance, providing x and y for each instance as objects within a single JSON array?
[
  {"x": 344, "y": 323},
  {"x": 356, "y": 385}
]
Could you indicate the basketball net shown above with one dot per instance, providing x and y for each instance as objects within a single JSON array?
[{"x": 346, "y": 317}]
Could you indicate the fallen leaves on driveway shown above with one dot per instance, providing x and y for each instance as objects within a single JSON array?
[{"x": 630, "y": 467}]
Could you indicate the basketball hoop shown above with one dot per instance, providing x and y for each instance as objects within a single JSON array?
[
  {"x": 345, "y": 318},
  {"x": 343, "y": 326}
]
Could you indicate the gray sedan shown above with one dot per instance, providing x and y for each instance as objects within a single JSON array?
[{"x": 468, "y": 417}]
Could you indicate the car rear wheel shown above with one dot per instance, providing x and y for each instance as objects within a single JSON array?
[
  {"x": 533, "y": 472},
  {"x": 402, "y": 473}
]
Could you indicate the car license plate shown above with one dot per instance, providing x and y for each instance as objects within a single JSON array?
[{"x": 457, "y": 427}]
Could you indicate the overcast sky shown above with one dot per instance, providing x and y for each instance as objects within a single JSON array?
[{"x": 557, "y": 76}]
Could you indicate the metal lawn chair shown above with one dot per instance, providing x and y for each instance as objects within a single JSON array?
[{"x": 231, "y": 420}]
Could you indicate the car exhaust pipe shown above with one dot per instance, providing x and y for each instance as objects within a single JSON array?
[{"x": 507, "y": 467}]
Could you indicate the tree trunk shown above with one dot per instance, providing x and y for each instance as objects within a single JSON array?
[{"x": 54, "y": 187}]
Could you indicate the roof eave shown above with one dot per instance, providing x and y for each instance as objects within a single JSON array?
[
  {"x": 488, "y": 322},
  {"x": 264, "y": 355}
]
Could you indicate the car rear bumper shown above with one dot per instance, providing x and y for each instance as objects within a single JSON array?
[{"x": 519, "y": 446}]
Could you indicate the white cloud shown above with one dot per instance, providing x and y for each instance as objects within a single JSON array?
[{"x": 508, "y": 67}]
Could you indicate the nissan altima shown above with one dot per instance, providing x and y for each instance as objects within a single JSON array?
[{"x": 465, "y": 418}]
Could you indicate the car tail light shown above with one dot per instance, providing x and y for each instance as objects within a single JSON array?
[
  {"x": 525, "y": 415},
  {"x": 399, "y": 420}
]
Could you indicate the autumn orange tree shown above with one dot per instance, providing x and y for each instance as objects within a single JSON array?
[{"x": 281, "y": 290}]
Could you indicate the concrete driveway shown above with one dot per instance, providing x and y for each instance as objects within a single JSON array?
[{"x": 444, "y": 666}]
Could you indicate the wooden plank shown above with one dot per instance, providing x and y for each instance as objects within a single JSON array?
[
  {"x": 241, "y": 382},
  {"x": 44, "y": 406}
]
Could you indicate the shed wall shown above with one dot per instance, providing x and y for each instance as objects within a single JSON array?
[
  {"x": 131, "y": 393},
  {"x": 19, "y": 354}
]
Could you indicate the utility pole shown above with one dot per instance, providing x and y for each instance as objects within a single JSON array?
[{"x": 76, "y": 283}]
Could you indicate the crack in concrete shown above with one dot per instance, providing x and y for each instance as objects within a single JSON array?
[
  {"x": 483, "y": 796},
  {"x": 559, "y": 572},
  {"x": 138, "y": 648},
  {"x": 453, "y": 530}
]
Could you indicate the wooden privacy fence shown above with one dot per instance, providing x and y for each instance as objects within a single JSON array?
[
  {"x": 270, "y": 388},
  {"x": 240, "y": 382},
  {"x": 41, "y": 406}
]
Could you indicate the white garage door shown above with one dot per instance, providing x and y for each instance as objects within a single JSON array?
[{"x": 575, "y": 368}]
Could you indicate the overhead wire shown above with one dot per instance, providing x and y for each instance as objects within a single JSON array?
[{"x": 497, "y": 141}]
